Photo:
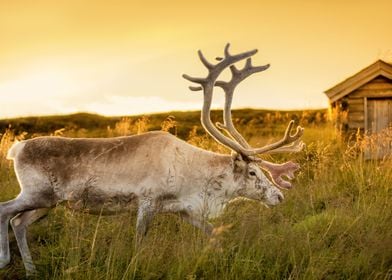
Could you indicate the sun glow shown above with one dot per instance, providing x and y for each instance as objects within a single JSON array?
[
  {"x": 45, "y": 84},
  {"x": 106, "y": 56},
  {"x": 37, "y": 87}
]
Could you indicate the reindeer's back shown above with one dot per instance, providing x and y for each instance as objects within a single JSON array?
[
  {"x": 88, "y": 161},
  {"x": 43, "y": 149}
]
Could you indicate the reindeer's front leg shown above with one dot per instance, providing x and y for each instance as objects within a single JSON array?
[{"x": 145, "y": 214}]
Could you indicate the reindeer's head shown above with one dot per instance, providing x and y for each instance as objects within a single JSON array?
[{"x": 252, "y": 183}]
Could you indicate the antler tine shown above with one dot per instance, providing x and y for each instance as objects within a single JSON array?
[
  {"x": 193, "y": 79},
  {"x": 205, "y": 62},
  {"x": 240, "y": 75},
  {"x": 227, "y": 54},
  {"x": 295, "y": 147},
  {"x": 278, "y": 171},
  {"x": 192, "y": 88},
  {"x": 282, "y": 144},
  {"x": 288, "y": 138}
]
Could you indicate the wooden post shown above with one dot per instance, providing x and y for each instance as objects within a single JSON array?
[{"x": 365, "y": 110}]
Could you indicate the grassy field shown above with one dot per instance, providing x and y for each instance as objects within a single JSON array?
[{"x": 335, "y": 224}]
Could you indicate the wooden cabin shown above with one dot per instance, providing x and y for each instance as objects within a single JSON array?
[
  {"x": 364, "y": 100},
  {"x": 363, "y": 103}
]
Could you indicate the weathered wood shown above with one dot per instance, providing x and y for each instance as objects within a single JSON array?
[
  {"x": 379, "y": 83},
  {"x": 379, "y": 118},
  {"x": 356, "y": 108},
  {"x": 371, "y": 93},
  {"x": 379, "y": 114},
  {"x": 356, "y": 117},
  {"x": 356, "y": 124},
  {"x": 355, "y": 100},
  {"x": 370, "y": 115},
  {"x": 376, "y": 86},
  {"x": 381, "y": 79},
  {"x": 365, "y": 106}
]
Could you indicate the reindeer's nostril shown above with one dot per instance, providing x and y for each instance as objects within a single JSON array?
[{"x": 280, "y": 197}]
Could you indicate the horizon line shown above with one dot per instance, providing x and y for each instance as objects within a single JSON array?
[{"x": 157, "y": 112}]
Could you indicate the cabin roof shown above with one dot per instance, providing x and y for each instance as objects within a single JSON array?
[{"x": 379, "y": 68}]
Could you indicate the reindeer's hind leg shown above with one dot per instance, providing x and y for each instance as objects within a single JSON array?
[
  {"x": 8, "y": 210},
  {"x": 19, "y": 224}
]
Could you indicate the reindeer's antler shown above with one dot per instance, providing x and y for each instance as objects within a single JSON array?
[
  {"x": 207, "y": 85},
  {"x": 289, "y": 143}
]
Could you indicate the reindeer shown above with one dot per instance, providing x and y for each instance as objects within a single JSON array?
[{"x": 158, "y": 171}]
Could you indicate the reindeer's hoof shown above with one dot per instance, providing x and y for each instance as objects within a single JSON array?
[
  {"x": 31, "y": 273},
  {"x": 30, "y": 270},
  {"x": 4, "y": 263}
]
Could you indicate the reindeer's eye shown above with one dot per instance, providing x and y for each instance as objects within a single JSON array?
[{"x": 252, "y": 173}]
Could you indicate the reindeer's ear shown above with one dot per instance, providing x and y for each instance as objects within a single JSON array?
[
  {"x": 235, "y": 156},
  {"x": 239, "y": 163}
]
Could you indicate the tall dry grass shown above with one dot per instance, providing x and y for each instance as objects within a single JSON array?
[{"x": 335, "y": 224}]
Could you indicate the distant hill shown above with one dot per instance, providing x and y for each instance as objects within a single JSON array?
[{"x": 185, "y": 120}]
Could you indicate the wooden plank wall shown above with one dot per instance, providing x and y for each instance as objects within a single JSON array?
[
  {"x": 379, "y": 114},
  {"x": 356, "y": 113},
  {"x": 380, "y": 87}
]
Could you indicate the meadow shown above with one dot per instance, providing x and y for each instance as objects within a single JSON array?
[{"x": 336, "y": 223}]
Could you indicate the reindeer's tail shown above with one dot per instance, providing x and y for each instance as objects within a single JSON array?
[{"x": 14, "y": 150}]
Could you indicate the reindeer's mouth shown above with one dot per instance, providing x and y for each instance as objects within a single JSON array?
[{"x": 273, "y": 200}]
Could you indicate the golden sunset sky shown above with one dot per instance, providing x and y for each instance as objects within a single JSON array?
[{"x": 127, "y": 57}]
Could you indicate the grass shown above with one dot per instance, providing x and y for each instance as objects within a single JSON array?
[{"x": 335, "y": 223}]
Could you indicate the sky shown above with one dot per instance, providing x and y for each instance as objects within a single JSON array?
[{"x": 127, "y": 57}]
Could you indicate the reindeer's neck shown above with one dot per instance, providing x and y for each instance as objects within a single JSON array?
[{"x": 222, "y": 185}]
